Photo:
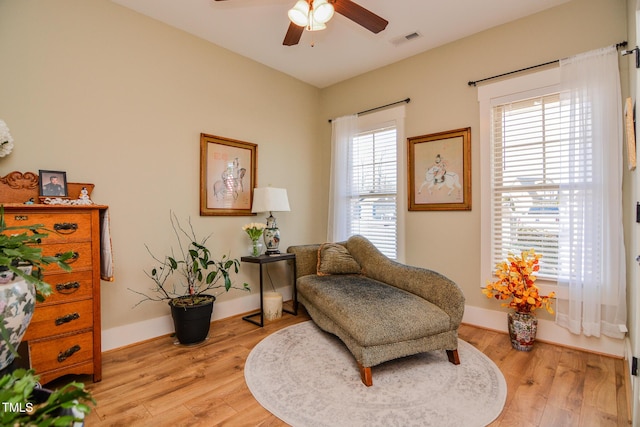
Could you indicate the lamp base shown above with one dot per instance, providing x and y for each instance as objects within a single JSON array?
[{"x": 271, "y": 238}]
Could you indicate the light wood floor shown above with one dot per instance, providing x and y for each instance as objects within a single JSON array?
[{"x": 157, "y": 383}]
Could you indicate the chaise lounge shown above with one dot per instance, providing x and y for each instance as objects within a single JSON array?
[{"x": 380, "y": 309}]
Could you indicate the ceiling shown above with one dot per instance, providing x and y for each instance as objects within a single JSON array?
[{"x": 256, "y": 28}]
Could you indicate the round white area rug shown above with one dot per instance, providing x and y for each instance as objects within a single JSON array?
[{"x": 307, "y": 377}]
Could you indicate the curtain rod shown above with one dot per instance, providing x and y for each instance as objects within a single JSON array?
[
  {"x": 474, "y": 83},
  {"x": 371, "y": 110}
]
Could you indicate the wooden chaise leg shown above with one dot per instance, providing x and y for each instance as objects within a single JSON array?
[
  {"x": 365, "y": 375},
  {"x": 453, "y": 356}
]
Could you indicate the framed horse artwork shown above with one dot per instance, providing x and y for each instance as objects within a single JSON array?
[
  {"x": 440, "y": 171},
  {"x": 228, "y": 173}
]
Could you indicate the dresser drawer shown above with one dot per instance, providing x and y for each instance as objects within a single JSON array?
[
  {"x": 57, "y": 353},
  {"x": 60, "y": 319},
  {"x": 62, "y": 227},
  {"x": 72, "y": 346},
  {"x": 68, "y": 287},
  {"x": 80, "y": 261}
]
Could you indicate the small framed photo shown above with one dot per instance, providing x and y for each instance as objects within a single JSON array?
[
  {"x": 228, "y": 172},
  {"x": 440, "y": 171},
  {"x": 53, "y": 184}
]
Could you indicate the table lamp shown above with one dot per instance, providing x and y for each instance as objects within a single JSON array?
[{"x": 269, "y": 199}]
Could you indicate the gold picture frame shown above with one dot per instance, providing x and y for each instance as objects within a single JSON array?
[
  {"x": 439, "y": 171},
  {"x": 228, "y": 175}
]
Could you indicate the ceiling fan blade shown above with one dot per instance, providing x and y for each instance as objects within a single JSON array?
[
  {"x": 294, "y": 33},
  {"x": 360, "y": 15}
]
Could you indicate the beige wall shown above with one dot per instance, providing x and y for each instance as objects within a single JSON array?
[
  {"x": 436, "y": 82},
  {"x": 120, "y": 100}
]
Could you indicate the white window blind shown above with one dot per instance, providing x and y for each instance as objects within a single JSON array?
[
  {"x": 373, "y": 204},
  {"x": 525, "y": 177}
]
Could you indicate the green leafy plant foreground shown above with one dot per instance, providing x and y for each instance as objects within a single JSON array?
[
  {"x": 20, "y": 244},
  {"x": 17, "y": 408}
]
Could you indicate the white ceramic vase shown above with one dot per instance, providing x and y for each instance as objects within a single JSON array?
[{"x": 17, "y": 303}]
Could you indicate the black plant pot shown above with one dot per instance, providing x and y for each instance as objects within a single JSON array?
[
  {"x": 41, "y": 395},
  {"x": 192, "y": 322}
]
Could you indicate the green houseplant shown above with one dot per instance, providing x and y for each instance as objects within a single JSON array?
[
  {"x": 24, "y": 403},
  {"x": 186, "y": 280},
  {"x": 19, "y": 245}
]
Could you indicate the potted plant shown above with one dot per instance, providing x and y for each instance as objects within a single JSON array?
[
  {"x": 25, "y": 403},
  {"x": 195, "y": 274},
  {"x": 516, "y": 281},
  {"x": 21, "y": 281}
]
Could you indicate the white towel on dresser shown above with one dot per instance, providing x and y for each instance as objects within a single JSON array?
[{"x": 106, "y": 258}]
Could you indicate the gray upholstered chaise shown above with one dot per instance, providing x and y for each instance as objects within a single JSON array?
[{"x": 388, "y": 311}]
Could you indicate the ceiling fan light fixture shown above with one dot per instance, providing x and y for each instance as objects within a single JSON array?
[
  {"x": 322, "y": 11},
  {"x": 314, "y": 25},
  {"x": 299, "y": 13},
  {"x": 312, "y": 15}
]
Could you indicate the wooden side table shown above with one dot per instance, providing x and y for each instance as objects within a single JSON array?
[{"x": 266, "y": 259}]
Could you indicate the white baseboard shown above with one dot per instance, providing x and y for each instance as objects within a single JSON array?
[
  {"x": 125, "y": 335},
  {"x": 497, "y": 320},
  {"x": 548, "y": 331}
]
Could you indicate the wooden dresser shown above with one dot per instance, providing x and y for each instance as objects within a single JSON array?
[{"x": 64, "y": 336}]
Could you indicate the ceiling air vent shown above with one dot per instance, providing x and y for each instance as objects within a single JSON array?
[{"x": 406, "y": 38}]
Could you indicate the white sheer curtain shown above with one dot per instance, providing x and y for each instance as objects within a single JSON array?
[
  {"x": 591, "y": 245},
  {"x": 344, "y": 129}
]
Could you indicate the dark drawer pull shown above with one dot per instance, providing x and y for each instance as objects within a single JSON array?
[
  {"x": 66, "y": 319},
  {"x": 73, "y": 258},
  {"x": 65, "y": 227},
  {"x": 64, "y": 355},
  {"x": 68, "y": 288}
]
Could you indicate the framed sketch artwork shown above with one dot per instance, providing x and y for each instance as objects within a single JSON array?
[
  {"x": 227, "y": 175},
  {"x": 53, "y": 183},
  {"x": 440, "y": 171}
]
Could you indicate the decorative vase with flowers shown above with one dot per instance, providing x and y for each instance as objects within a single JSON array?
[
  {"x": 254, "y": 231},
  {"x": 516, "y": 281}
]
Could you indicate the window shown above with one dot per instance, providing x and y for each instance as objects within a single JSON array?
[
  {"x": 520, "y": 178},
  {"x": 367, "y": 194},
  {"x": 374, "y": 177},
  {"x": 525, "y": 177},
  {"x": 552, "y": 181}
]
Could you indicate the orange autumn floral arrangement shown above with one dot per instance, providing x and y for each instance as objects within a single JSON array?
[{"x": 516, "y": 280}]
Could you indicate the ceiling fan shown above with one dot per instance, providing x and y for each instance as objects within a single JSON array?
[{"x": 312, "y": 15}]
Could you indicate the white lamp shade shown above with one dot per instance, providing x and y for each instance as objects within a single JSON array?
[
  {"x": 322, "y": 11},
  {"x": 299, "y": 13},
  {"x": 269, "y": 199}
]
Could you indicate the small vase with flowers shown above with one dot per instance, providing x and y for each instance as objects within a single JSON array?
[
  {"x": 516, "y": 281},
  {"x": 254, "y": 230}
]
